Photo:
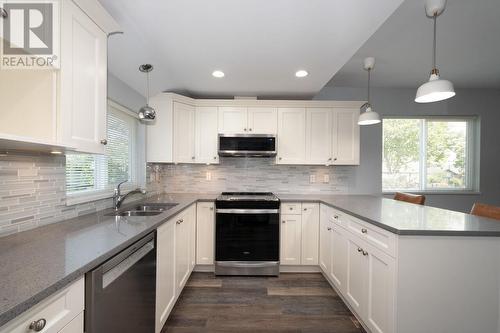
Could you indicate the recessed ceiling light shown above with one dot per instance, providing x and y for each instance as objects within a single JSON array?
[
  {"x": 301, "y": 73},
  {"x": 218, "y": 74}
]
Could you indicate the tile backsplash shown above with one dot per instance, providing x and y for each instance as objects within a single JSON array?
[
  {"x": 32, "y": 192},
  {"x": 248, "y": 174}
]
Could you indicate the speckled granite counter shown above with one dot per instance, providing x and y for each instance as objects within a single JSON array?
[
  {"x": 36, "y": 263},
  {"x": 404, "y": 218}
]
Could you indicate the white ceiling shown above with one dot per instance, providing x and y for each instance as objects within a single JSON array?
[
  {"x": 259, "y": 44},
  {"x": 468, "y": 50}
]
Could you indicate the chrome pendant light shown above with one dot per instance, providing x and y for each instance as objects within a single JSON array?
[
  {"x": 368, "y": 117},
  {"x": 436, "y": 89},
  {"x": 147, "y": 113}
]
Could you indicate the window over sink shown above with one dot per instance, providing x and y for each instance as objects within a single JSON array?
[
  {"x": 430, "y": 154},
  {"x": 95, "y": 176}
]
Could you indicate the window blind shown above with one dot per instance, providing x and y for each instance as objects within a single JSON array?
[{"x": 87, "y": 173}]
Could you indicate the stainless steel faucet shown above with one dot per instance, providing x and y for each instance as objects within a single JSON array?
[{"x": 118, "y": 198}]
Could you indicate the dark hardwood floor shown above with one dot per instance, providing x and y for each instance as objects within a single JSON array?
[{"x": 292, "y": 303}]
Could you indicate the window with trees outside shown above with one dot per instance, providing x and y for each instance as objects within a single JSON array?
[
  {"x": 429, "y": 154},
  {"x": 88, "y": 174}
]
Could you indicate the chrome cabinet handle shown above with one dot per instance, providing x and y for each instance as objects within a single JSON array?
[
  {"x": 330, "y": 159},
  {"x": 328, "y": 228},
  {"x": 180, "y": 221},
  {"x": 280, "y": 158},
  {"x": 360, "y": 249},
  {"x": 336, "y": 217},
  {"x": 211, "y": 208},
  {"x": 283, "y": 221},
  {"x": 291, "y": 208},
  {"x": 192, "y": 157},
  {"x": 104, "y": 142},
  {"x": 38, "y": 325},
  {"x": 365, "y": 253},
  {"x": 335, "y": 159},
  {"x": 245, "y": 129},
  {"x": 305, "y": 209},
  {"x": 364, "y": 231},
  {"x": 215, "y": 157},
  {"x": 250, "y": 129}
]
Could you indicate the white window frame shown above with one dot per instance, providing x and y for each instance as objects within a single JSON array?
[
  {"x": 472, "y": 177},
  {"x": 93, "y": 194}
]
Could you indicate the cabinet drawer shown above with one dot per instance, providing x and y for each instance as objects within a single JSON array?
[
  {"x": 382, "y": 239},
  {"x": 294, "y": 208},
  {"x": 338, "y": 217},
  {"x": 57, "y": 310}
]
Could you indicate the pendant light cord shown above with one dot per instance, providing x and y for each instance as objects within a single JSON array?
[
  {"x": 434, "y": 43},
  {"x": 369, "y": 72},
  {"x": 147, "y": 88}
]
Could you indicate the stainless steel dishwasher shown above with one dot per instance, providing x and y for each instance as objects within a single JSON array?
[{"x": 120, "y": 294}]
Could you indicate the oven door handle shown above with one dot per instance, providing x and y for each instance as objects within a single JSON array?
[{"x": 247, "y": 211}]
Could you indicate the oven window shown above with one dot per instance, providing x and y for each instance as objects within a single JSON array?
[
  {"x": 243, "y": 143},
  {"x": 247, "y": 237}
]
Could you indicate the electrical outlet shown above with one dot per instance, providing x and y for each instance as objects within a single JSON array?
[
  {"x": 326, "y": 178},
  {"x": 208, "y": 175},
  {"x": 312, "y": 179}
]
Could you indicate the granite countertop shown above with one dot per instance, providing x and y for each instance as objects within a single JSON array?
[
  {"x": 404, "y": 218},
  {"x": 36, "y": 263}
]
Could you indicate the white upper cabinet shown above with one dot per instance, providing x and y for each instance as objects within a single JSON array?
[
  {"x": 291, "y": 136},
  {"x": 82, "y": 121},
  {"x": 318, "y": 136},
  {"x": 206, "y": 135},
  {"x": 262, "y": 120},
  {"x": 232, "y": 120},
  {"x": 159, "y": 136},
  {"x": 345, "y": 137},
  {"x": 252, "y": 120},
  {"x": 184, "y": 133}
]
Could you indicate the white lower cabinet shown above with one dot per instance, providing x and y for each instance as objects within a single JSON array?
[
  {"x": 62, "y": 312},
  {"x": 165, "y": 273},
  {"x": 205, "y": 233},
  {"x": 310, "y": 234},
  {"x": 290, "y": 239},
  {"x": 184, "y": 246},
  {"x": 362, "y": 273}
]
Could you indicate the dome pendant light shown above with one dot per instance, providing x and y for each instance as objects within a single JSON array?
[
  {"x": 146, "y": 113},
  {"x": 435, "y": 89},
  {"x": 369, "y": 117}
]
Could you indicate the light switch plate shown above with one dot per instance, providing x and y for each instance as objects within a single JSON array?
[
  {"x": 326, "y": 179},
  {"x": 208, "y": 175},
  {"x": 312, "y": 179}
]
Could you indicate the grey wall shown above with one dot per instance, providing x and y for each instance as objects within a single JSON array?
[
  {"x": 485, "y": 103},
  {"x": 123, "y": 94}
]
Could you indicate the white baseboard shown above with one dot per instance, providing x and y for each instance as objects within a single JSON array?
[{"x": 204, "y": 268}]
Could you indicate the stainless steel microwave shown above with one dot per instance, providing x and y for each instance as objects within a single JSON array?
[{"x": 254, "y": 145}]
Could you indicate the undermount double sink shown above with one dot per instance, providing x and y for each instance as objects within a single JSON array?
[{"x": 147, "y": 209}]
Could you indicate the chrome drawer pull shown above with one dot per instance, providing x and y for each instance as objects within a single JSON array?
[
  {"x": 364, "y": 231},
  {"x": 360, "y": 249},
  {"x": 38, "y": 325}
]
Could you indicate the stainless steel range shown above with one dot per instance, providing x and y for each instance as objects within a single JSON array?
[{"x": 247, "y": 235}]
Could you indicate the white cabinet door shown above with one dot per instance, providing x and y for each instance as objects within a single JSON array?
[
  {"x": 319, "y": 136},
  {"x": 159, "y": 136},
  {"x": 262, "y": 120},
  {"x": 183, "y": 133},
  {"x": 206, "y": 135},
  {"x": 290, "y": 239},
  {"x": 83, "y": 81},
  {"x": 74, "y": 326},
  {"x": 291, "y": 136},
  {"x": 182, "y": 251},
  {"x": 191, "y": 219},
  {"x": 205, "y": 233},
  {"x": 232, "y": 120},
  {"x": 346, "y": 137},
  {"x": 355, "y": 291},
  {"x": 380, "y": 310},
  {"x": 165, "y": 272},
  {"x": 339, "y": 257},
  {"x": 325, "y": 251},
  {"x": 310, "y": 234}
]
